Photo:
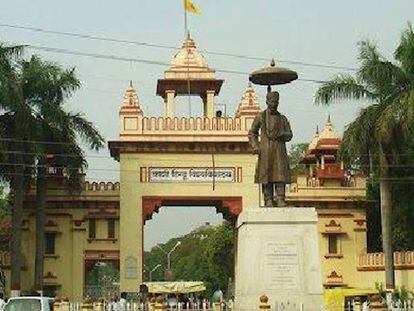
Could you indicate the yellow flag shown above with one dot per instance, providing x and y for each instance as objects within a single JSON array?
[{"x": 190, "y": 7}]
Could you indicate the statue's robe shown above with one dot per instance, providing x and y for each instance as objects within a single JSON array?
[{"x": 273, "y": 162}]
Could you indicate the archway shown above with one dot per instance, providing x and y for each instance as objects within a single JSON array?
[{"x": 220, "y": 240}]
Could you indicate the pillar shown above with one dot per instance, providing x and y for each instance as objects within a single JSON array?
[
  {"x": 209, "y": 106},
  {"x": 217, "y": 306},
  {"x": 130, "y": 226},
  {"x": 264, "y": 303},
  {"x": 87, "y": 305},
  {"x": 169, "y": 99},
  {"x": 64, "y": 304},
  {"x": 323, "y": 162},
  {"x": 98, "y": 306},
  {"x": 56, "y": 304},
  {"x": 151, "y": 306},
  {"x": 160, "y": 304}
]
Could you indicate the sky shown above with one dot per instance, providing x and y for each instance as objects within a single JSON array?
[{"x": 317, "y": 32}]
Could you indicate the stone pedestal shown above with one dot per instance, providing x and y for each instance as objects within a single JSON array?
[{"x": 278, "y": 255}]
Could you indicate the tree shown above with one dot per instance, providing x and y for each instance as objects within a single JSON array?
[
  {"x": 296, "y": 153},
  {"x": 16, "y": 127},
  {"x": 4, "y": 204},
  {"x": 46, "y": 87},
  {"x": 220, "y": 257},
  {"x": 376, "y": 139},
  {"x": 34, "y": 125}
]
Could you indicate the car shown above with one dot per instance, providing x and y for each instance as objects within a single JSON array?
[{"x": 29, "y": 303}]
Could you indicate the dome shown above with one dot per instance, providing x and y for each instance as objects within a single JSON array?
[{"x": 189, "y": 62}]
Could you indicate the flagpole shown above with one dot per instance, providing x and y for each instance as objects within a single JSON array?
[{"x": 185, "y": 19}]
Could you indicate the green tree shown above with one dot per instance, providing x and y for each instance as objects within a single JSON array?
[
  {"x": 5, "y": 215},
  {"x": 296, "y": 153},
  {"x": 219, "y": 254},
  {"x": 16, "y": 127},
  {"x": 377, "y": 138},
  {"x": 34, "y": 125},
  {"x": 4, "y": 204},
  {"x": 47, "y": 86}
]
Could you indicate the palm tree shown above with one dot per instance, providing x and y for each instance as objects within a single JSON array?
[
  {"x": 33, "y": 125},
  {"x": 46, "y": 87},
  {"x": 376, "y": 138},
  {"x": 15, "y": 128}
]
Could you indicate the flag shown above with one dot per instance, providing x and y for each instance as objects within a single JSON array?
[{"x": 190, "y": 7}]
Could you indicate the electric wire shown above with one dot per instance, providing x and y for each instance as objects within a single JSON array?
[
  {"x": 136, "y": 60},
  {"x": 170, "y": 47}
]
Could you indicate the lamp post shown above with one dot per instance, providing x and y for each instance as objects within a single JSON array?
[
  {"x": 153, "y": 269},
  {"x": 168, "y": 272},
  {"x": 169, "y": 253}
]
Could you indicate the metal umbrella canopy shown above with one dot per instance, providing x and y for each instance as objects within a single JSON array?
[{"x": 273, "y": 75}]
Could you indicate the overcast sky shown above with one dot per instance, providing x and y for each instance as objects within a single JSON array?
[{"x": 318, "y": 32}]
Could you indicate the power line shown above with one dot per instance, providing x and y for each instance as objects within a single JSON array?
[
  {"x": 8, "y": 139},
  {"x": 170, "y": 47},
  {"x": 133, "y": 60},
  {"x": 221, "y": 161}
]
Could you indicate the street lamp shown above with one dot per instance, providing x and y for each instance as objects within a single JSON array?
[
  {"x": 169, "y": 253},
  {"x": 150, "y": 273}
]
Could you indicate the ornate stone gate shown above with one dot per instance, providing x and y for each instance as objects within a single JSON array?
[{"x": 188, "y": 161}]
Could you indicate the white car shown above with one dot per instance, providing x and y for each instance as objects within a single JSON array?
[{"x": 30, "y": 303}]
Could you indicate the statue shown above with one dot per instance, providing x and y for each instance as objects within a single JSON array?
[{"x": 272, "y": 170}]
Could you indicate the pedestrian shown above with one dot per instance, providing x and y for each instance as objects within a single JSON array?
[
  {"x": 115, "y": 304},
  {"x": 108, "y": 305},
  {"x": 122, "y": 304}
]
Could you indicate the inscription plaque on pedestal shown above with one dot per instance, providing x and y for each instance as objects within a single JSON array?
[
  {"x": 277, "y": 255},
  {"x": 282, "y": 265}
]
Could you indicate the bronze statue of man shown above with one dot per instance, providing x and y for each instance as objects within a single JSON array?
[{"x": 272, "y": 170}]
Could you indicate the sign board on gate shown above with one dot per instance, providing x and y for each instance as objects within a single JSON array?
[{"x": 191, "y": 174}]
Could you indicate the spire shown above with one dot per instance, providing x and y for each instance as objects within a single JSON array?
[
  {"x": 329, "y": 131},
  {"x": 249, "y": 104},
  {"x": 189, "y": 62},
  {"x": 314, "y": 142},
  {"x": 130, "y": 101}
]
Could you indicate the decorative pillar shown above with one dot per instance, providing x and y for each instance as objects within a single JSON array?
[
  {"x": 217, "y": 305},
  {"x": 99, "y": 306},
  {"x": 323, "y": 162},
  {"x": 264, "y": 303},
  {"x": 64, "y": 305},
  {"x": 159, "y": 304},
  {"x": 87, "y": 304},
  {"x": 169, "y": 100},
  {"x": 56, "y": 304},
  {"x": 151, "y": 305},
  {"x": 209, "y": 106}
]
